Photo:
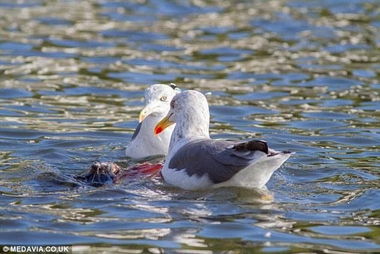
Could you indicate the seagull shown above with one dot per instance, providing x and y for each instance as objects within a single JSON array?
[
  {"x": 195, "y": 161},
  {"x": 157, "y": 103}
]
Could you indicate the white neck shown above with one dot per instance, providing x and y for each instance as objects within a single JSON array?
[{"x": 190, "y": 128}]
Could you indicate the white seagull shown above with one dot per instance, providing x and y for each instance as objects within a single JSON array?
[
  {"x": 157, "y": 104},
  {"x": 195, "y": 161}
]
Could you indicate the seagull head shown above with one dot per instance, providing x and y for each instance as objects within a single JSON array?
[
  {"x": 157, "y": 100},
  {"x": 188, "y": 110}
]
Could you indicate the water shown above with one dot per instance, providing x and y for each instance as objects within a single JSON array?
[{"x": 303, "y": 75}]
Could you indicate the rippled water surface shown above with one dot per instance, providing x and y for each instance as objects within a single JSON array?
[{"x": 301, "y": 74}]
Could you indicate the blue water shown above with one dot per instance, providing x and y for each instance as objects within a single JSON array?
[{"x": 302, "y": 75}]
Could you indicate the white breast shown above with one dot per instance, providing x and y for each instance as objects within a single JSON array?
[{"x": 146, "y": 143}]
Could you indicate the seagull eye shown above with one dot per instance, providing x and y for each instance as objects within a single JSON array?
[{"x": 163, "y": 98}]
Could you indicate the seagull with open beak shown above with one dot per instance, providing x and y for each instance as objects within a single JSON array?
[{"x": 157, "y": 104}]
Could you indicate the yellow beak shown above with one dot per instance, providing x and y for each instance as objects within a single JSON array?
[
  {"x": 162, "y": 125},
  {"x": 146, "y": 111},
  {"x": 142, "y": 115}
]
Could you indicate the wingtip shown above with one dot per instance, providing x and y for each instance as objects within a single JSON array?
[{"x": 253, "y": 145}]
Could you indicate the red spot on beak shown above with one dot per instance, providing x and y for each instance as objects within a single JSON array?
[{"x": 158, "y": 130}]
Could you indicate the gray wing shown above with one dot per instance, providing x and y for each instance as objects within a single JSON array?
[
  {"x": 221, "y": 160},
  {"x": 136, "y": 131}
]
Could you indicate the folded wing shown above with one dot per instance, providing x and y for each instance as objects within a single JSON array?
[{"x": 221, "y": 160}]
